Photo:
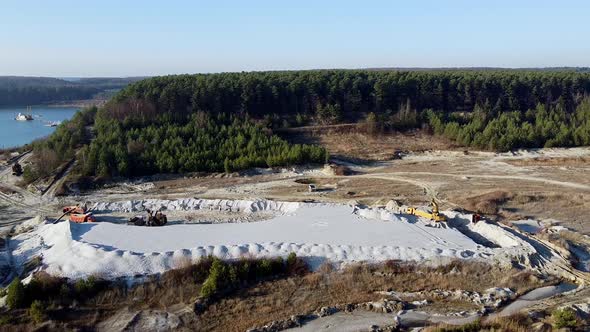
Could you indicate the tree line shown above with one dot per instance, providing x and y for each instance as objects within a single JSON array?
[
  {"x": 61, "y": 145},
  {"x": 333, "y": 96},
  {"x": 15, "y": 90},
  {"x": 202, "y": 143},
  {"x": 541, "y": 126},
  {"x": 225, "y": 122}
]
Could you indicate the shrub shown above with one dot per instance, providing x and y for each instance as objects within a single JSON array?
[
  {"x": 65, "y": 291},
  {"x": 277, "y": 266},
  {"x": 565, "y": 317},
  {"x": 29, "y": 174},
  {"x": 291, "y": 259},
  {"x": 37, "y": 312},
  {"x": 43, "y": 287},
  {"x": 88, "y": 287},
  {"x": 469, "y": 327},
  {"x": 16, "y": 294},
  {"x": 296, "y": 265},
  {"x": 233, "y": 276},
  {"x": 5, "y": 319},
  {"x": 218, "y": 278},
  {"x": 263, "y": 268},
  {"x": 209, "y": 288}
]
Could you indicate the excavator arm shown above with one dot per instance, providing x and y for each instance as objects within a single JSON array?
[{"x": 434, "y": 215}]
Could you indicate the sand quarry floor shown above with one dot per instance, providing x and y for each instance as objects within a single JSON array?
[{"x": 317, "y": 232}]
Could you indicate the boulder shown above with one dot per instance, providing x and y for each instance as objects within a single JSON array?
[
  {"x": 393, "y": 206},
  {"x": 326, "y": 311}
]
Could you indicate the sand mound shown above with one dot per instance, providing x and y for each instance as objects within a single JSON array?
[{"x": 188, "y": 204}]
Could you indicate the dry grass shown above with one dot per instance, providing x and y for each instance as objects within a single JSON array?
[
  {"x": 544, "y": 161},
  {"x": 514, "y": 323},
  {"x": 488, "y": 203},
  {"x": 258, "y": 303},
  {"x": 6, "y": 190},
  {"x": 355, "y": 144},
  {"x": 280, "y": 299}
]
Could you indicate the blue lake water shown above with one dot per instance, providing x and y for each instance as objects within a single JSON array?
[{"x": 15, "y": 133}]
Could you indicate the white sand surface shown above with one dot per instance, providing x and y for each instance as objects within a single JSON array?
[{"x": 317, "y": 232}]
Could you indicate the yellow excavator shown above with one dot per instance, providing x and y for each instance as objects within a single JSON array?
[{"x": 434, "y": 215}]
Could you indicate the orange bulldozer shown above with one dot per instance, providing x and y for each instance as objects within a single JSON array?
[{"x": 78, "y": 214}]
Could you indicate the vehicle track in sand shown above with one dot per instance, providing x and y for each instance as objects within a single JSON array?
[
  {"x": 14, "y": 202},
  {"x": 479, "y": 176}
]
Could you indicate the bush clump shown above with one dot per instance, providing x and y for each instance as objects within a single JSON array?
[
  {"x": 565, "y": 317},
  {"x": 469, "y": 327},
  {"x": 217, "y": 278},
  {"x": 37, "y": 312},
  {"x": 225, "y": 276},
  {"x": 16, "y": 297},
  {"x": 295, "y": 265},
  {"x": 85, "y": 288}
]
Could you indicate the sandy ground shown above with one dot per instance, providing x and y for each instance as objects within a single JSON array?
[
  {"x": 544, "y": 187},
  {"x": 544, "y": 184},
  {"x": 316, "y": 232}
]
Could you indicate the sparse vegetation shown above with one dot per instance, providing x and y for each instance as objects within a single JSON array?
[
  {"x": 85, "y": 288},
  {"x": 5, "y": 320},
  {"x": 244, "y": 296},
  {"x": 565, "y": 317},
  {"x": 488, "y": 203},
  {"x": 37, "y": 312},
  {"x": 226, "y": 276},
  {"x": 16, "y": 297},
  {"x": 514, "y": 323}
]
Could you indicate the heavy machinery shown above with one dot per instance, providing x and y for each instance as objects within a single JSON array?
[
  {"x": 82, "y": 217},
  {"x": 17, "y": 169},
  {"x": 434, "y": 215},
  {"x": 74, "y": 209},
  {"x": 78, "y": 214},
  {"x": 153, "y": 219}
]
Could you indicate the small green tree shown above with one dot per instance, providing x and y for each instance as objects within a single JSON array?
[
  {"x": 16, "y": 294},
  {"x": 217, "y": 279},
  {"x": 291, "y": 259},
  {"x": 29, "y": 174},
  {"x": 37, "y": 312},
  {"x": 329, "y": 113},
  {"x": 565, "y": 317},
  {"x": 263, "y": 268}
]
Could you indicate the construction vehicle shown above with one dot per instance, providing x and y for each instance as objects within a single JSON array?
[
  {"x": 78, "y": 214},
  {"x": 82, "y": 217},
  {"x": 153, "y": 219},
  {"x": 17, "y": 169},
  {"x": 434, "y": 215},
  {"x": 475, "y": 218},
  {"x": 74, "y": 209}
]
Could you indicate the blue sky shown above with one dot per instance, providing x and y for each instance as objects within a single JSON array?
[{"x": 132, "y": 37}]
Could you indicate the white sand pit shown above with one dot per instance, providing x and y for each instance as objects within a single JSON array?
[{"x": 316, "y": 232}]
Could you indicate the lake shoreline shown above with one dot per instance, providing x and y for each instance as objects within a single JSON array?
[{"x": 15, "y": 134}]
